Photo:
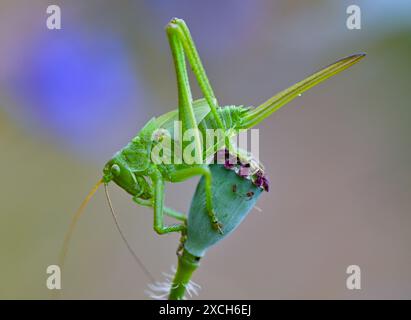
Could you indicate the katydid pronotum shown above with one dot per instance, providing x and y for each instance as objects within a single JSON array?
[{"x": 132, "y": 168}]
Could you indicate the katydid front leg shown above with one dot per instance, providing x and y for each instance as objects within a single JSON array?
[{"x": 187, "y": 173}]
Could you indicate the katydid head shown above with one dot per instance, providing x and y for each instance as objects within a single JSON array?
[
  {"x": 119, "y": 172},
  {"x": 127, "y": 167}
]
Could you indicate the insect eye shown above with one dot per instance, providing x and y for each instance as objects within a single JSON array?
[{"x": 115, "y": 170}]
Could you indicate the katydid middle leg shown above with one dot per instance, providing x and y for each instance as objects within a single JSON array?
[
  {"x": 168, "y": 211},
  {"x": 159, "y": 227},
  {"x": 187, "y": 173}
]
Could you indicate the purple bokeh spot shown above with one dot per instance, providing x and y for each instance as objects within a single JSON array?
[{"x": 76, "y": 84}]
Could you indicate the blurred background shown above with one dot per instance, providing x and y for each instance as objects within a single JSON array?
[{"x": 339, "y": 157}]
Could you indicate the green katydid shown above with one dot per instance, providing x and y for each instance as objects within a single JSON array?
[{"x": 132, "y": 168}]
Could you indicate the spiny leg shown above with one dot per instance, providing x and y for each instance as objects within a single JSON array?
[
  {"x": 159, "y": 226},
  {"x": 255, "y": 116},
  {"x": 178, "y": 31},
  {"x": 187, "y": 173},
  {"x": 168, "y": 211},
  {"x": 171, "y": 213},
  {"x": 185, "y": 100}
]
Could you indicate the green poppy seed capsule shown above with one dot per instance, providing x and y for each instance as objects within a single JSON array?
[
  {"x": 236, "y": 187},
  {"x": 234, "y": 195}
]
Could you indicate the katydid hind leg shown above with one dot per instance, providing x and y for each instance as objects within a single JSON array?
[
  {"x": 179, "y": 28},
  {"x": 255, "y": 116},
  {"x": 185, "y": 102}
]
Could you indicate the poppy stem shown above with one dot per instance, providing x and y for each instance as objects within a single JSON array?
[{"x": 187, "y": 264}]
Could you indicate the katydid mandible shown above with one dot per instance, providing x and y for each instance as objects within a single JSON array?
[{"x": 132, "y": 168}]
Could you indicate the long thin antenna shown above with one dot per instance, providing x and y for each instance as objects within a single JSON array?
[
  {"x": 136, "y": 258},
  {"x": 73, "y": 224}
]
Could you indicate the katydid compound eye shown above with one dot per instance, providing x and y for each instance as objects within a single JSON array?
[{"x": 115, "y": 170}]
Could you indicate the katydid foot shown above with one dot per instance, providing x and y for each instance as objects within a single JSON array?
[{"x": 218, "y": 226}]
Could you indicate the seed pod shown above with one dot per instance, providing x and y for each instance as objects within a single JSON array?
[
  {"x": 236, "y": 189},
  {"x": 236, "y": 186}
]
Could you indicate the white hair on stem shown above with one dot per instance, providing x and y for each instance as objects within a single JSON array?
[{"x": 160, "y": 290}]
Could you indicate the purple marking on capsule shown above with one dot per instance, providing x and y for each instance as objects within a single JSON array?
[
  {"x": 258, "y": 181},
  {"x": 259, "y": 173},
  {"x": 244, "y": 171},
  {"x": 232, "y": 160},
  {"x": 244, "y": 164},
  {"x": 266, "y": 184},
  {"x": 220, "y": 157},
  {"x": 228, "y": 165}
]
